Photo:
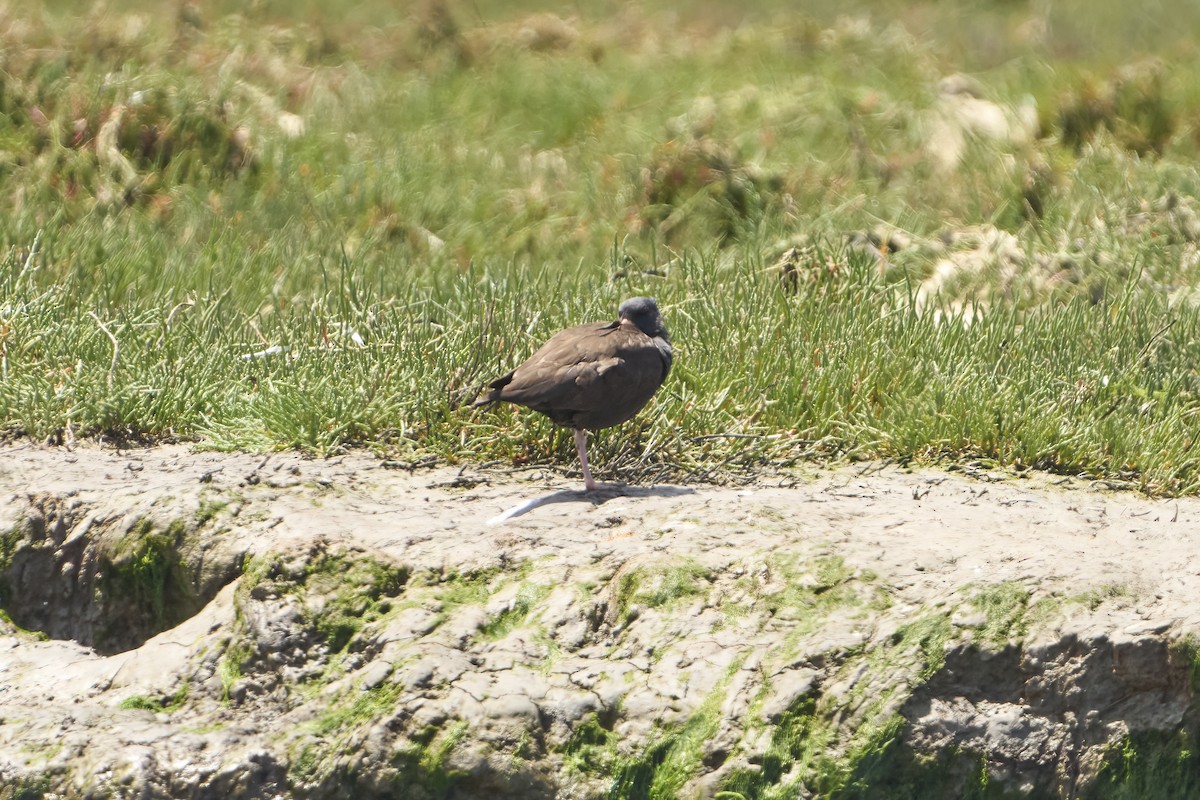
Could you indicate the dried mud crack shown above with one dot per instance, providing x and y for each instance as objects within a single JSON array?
[{"x": 204, "y": 625}]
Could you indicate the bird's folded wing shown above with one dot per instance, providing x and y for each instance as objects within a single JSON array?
[{"x": 587, "y": 366}]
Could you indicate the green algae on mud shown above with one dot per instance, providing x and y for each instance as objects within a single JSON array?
[
  {"x": 144, "y": 572},
  {"x": 417, "y": 769},
  {"x": 657, "y": 585},
  {"x": 128, "y": 580},
  {"x": 673, "y": 758},
  {"x": 10, "y": 541},
  {"x": 500, "y": 625},
  {"x": 1004, "y": 606},
  {"x": 167, "y": 704},
  {"x": 357, "y": 590}
]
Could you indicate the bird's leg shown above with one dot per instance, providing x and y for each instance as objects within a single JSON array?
[{"x": 581, "y": 446}]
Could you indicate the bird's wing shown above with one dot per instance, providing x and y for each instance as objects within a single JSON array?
[
  {"x": 555, "y": 370},
  {"x": 586, "y": 369}
]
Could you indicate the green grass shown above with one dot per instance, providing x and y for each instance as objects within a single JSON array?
[
  {"x": 469, "y": 178},
  {"x": 1149, "y": 764}
]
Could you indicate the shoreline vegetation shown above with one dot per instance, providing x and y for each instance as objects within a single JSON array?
[{"x": 877, "y": 230}]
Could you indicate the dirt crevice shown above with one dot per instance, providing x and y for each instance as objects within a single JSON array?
[{"x": 105, "y": 579}]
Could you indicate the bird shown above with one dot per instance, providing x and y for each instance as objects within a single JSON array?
[{"x": 592, "y": 376}]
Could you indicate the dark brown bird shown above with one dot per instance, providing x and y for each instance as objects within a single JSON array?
[{"x": 592, "y": 376}]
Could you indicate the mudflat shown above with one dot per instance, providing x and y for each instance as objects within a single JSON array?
[{"x": 271, "y": 624}]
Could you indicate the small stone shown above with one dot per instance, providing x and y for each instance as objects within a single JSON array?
[
  {"x": 786, "y": 688},
  {"x": 374, "y": 674},
  {"x": 510, "y": 706},
  {"x": 968, "y": 619},
  {"x": 414, "y": 622},
  {"x": 570, "y": 707},
  {"x": 417, "y": 676},
  {"x": 1148, "y": 627}
]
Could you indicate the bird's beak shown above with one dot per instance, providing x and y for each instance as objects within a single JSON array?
[{"x": 625, "y": 321}]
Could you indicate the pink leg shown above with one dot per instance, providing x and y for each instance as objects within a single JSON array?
[{"x": 581, "y": 446}]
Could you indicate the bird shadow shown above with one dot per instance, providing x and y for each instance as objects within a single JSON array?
[{"x": 602, "y": 494}]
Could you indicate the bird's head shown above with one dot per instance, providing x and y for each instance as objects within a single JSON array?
[{"x": 643, "y": 312}]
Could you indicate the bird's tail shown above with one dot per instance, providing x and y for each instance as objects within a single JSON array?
[{"x": 492, "y": 394}]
